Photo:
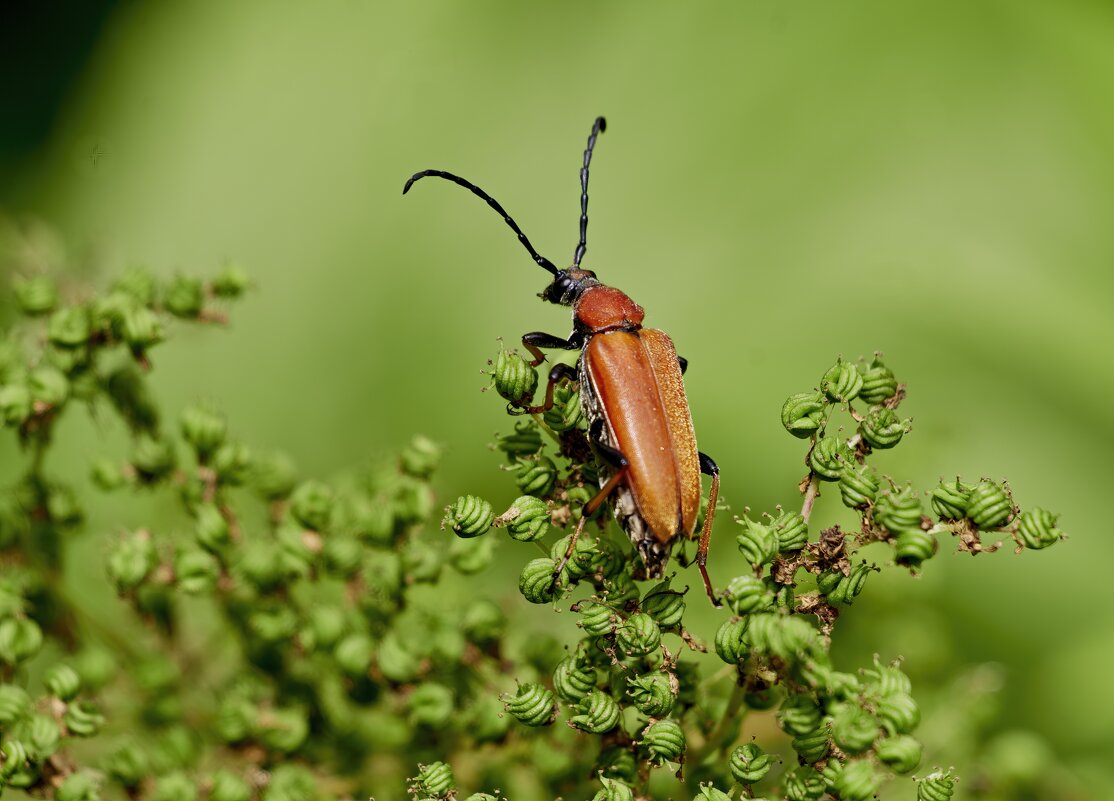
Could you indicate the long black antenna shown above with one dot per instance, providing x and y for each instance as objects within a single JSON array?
[
  {"x": 598, "y": 127},
  {"x": 542, "y": 261}
]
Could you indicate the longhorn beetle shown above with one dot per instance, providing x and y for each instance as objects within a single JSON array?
[{"x": 633, "y": 396}]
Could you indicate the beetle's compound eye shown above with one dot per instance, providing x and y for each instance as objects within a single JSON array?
[{"x": 558, "y": 292}]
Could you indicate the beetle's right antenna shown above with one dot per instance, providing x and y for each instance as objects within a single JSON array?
[
  {"x": 598, "y": 127},
  {"x": 542, "y": 261}
]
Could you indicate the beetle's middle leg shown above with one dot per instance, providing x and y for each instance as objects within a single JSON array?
[
  {"x": 619, "y": 464},
  {"x": 708, "y": 468},
  {"x": 556, "y": 375}
]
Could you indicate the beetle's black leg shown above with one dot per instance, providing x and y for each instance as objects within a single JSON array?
[
  {"x": 681, "y": 360},
  {"x": 619, "y": 464},
  {"x": 539, "y": 339},
  {"x": 559, "y": 372},
  {"x": 708, "y": 468}
]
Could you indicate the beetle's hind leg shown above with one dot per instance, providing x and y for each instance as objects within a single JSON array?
[
  {"x": 619, "y": 464},
  {"x": 708, "y": 468}
]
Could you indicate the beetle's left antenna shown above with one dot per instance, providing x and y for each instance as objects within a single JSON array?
[
  {"x": 542, "y": 261},
  {"x": 598, "y": 127}
]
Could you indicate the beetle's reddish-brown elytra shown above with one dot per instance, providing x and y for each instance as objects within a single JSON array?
[{"x": 633, "y": 396}]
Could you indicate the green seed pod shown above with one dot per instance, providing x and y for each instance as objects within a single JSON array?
[
  {"x": 353, "y": 654},
  {"x": 13, "y": 763},
  {"x": 80, "y": 786},
  {"x": 882, "y": 428},
  {"x": 421, "y": 562},
  {"x": 483, "y": 622},
  {"x": 936, "y": 786},
  {"x": 898, "y": 712},
  {"x": 15, "y": 703},
  {"x": 664, "y": 741},
  {"x": 597, "y": 620},
  {"x": 730, "y": 641},
  {"x": 231, "y": 282},
  {"x": 184, "y": 297},
  {"x": 272, "y": 624},
  {"x": 711, "y": 793},
  {"x": 858, "y": 781},
  {"x": 196, "y": 571},
  {"x": 15, "y": 404},
  {"x": 883, "y": 680},
  {"x": 803, "y": 784},
  {"x": 290, "y": 782},
  {"x": 613, "y": 790},
  {"x": 617, "y": 762},
  {"x": 758, "y": 543},
  {"x": 413, "y": 500},
  {"x": 639, "y": 635},
  {"x": 515, "y": 380},
  {"x": 814, "y": 745},
  {"x": 174, "y": 786},
  {"x": 746, "y": 594},
  {"x": 950, "y": 500},
  {"x": 537, "y": 584},
  {"x": 583, "y": 558},
  {"x": 431, "y": 704},
  {"x": 36, "y": 295},
  {"x": 799, "y": 714},
  {"x": 20, "y": 639},
  {"x": 420, "y": 457},
  {"x": 653, "y": 693},
  {"x": 842, "y": 382},
  {"x": 283, "y": 730},
  {"x": 395, "y": 661},
  {"x": 791, "y": 530},
  {"x": 803, "y": 414},
  {"x": 140, "y": 328},
  {"x": 879, "y": 383},
  {"x": 273, "y": 476},
  {"x": 62, "y": 681},
  {"x": 828, "y": 458},
  {"x": 469, "y": 516},
  {"x": 620, "y": 591},
  {"x": 749, "y": 764},
  {"x": 913, "y": 546},
  {"x": 127, "y": 764},
  {"x": 532, "y": 705},
  {"x": 486, "y": 721},
  {"x": 664, "y": 605},
  {"x": 96, "y": 666},
  {"x": 902, "y": 753},
  {"x": 83, "y": 719},
  {"x": 898, "y": 510},
  {"x": 989, "y": 505},
  {"x": 40, "y": 735},
  {"x": 138, "y": 284},
  {"x": 469, "y": 557},
  {"x": 203, "y": 429},
  {"x": 853, "y": 729},
  {"x": 212, "y": 530},
  {"x": 312, "y": 505},
  {"x": 536, "y": 476},
  {"x": 227, "y": 786},
  {"x": 573, "y": 679},
  {"x": 152, "y": 459},
  {"x": 69, "y": 327},
  {"x": 48, "y": 386},
  {"x": 599, "y": 713},
  {"x": 1036, "y": 529},
  {"x": 566, "y": 413},
  {"x": 525, "y": 441},
  {"x": 527, "y": 520},
  {"x": 839, "y": 588}
]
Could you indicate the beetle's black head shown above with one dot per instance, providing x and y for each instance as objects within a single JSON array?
[{"x": 568, "y": 285}]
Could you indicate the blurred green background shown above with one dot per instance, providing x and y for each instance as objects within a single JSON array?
[{"x": 781, "y": 182}]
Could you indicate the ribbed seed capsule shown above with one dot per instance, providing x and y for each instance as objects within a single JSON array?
[
  {"x": 532, "y": 705},
  {"x": 879, "y": 383},
  {"x": 858, "y": 485},
  {"x": 203, "y": 429},
  {"x": 431, "y": 704},
  {"x": 757, "y": 542},
  {"x": 20, "y": 639},
  {"x": 573, "y": 679},
  {"x": 803, "y": 414},
  {"x": 640, "y": 635},
  {"x": 898, "y": 510},
  {"x": 791, "y": 530},
  {"x": 526, "y": 440},
  {"x": 196, "y": 571},
  {"x": 950, "y": 499},
  {"x": 902, "y": 753},
  {"x": 469, "y": 516},
  {"x": 842, "y": 382},
  {"x": 227, "y": 786},
  {"x": 83, "y": 719},
  {"x": 709, "y": 792},
  {"x": 730, "y": 641},
  {"x": 63, "y": 682},
  {"x": 913, "y": 546},
  {"x": 664, "y": 605},
  {"x": 598, "y": 713},
  {"x": 882, "y": 428},
  {"x": 515, "y": 380},
  {"x": 828, "y": 458},
  {"x": 536, "y": 581},
  {"x": 898, "y": 712},
  {"x": 436, "y": 779},
  {"x": 858, "y": 781},
  {"x": 789, "y": 637},
  {"x": 536, "y": 476},
  {"x": 799, "y": 714},
  {"x": 597, "y": 619},
  {"x": 14, "y": 704},
  {"x": 803, "y": 784},
  {"x": 527, "y": 519},
  {"x": 36, "y": 295},
  {"x": 746, "y": 594},
  {"x": 652, "y": 693},
  {"x": 839, "y": 588},
  {"x": 1036, "y": 529},
  {"x": 664, "y": 741},
  {"x": 853, "y": 729},
  {"x": 312, "y": 504},
  {"x": 82, "y": 785},
  {"x": 617, "y": 762},
  {"x": 566, "y": 412},
  {"x": 420, "y": 457},
  {"x": 582, "y": 560},
  {"x": 812, "y": 746},
  {"x": 989, "y": 505},
  {"x": 613, "y": 790},
  {"x": 749, "y": 764},
  {"x": 936, "y": 786},
  {"x": 882, "y": 680}
]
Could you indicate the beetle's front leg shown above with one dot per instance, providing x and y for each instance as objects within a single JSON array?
[
  {"x": 708, "y": 468},
  {"x": 539, "y": 339}
]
